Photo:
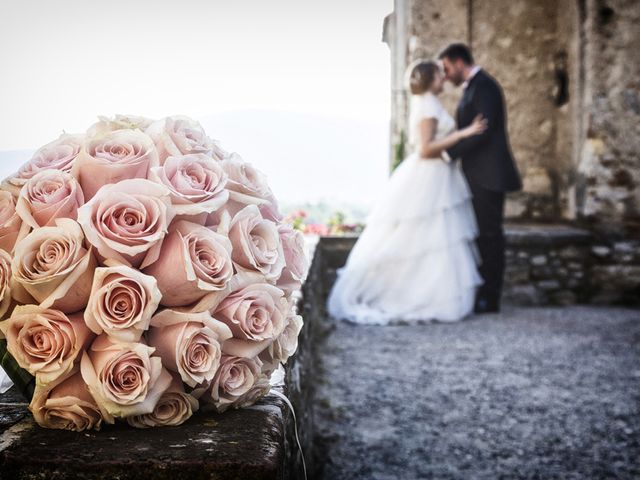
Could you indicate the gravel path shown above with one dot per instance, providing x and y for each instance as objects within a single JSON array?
[{"x": 531, "y": 393}]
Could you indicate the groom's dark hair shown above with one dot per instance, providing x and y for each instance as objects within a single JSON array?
[{"x": 457, "y": 51}]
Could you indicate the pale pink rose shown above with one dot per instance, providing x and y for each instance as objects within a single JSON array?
[
  {"x": 122, "y": 302},
  {"x": 45, "y": 342},
  {"x": 118, "y": 122},
  {"x": 285, "y": 344},
  {"x": 180, "y": 135},
  {"x": 66, "y": 404},
  {"x": 196, "y": 182},
  {"x": 5, "y": 283},
  {"x": 254, "y": 310},
  {"x": 270, "y": 211},
  {"x": 238, "y": 382},
  {"x": 57, "y": 155},
  {"x": 123, "y": 377},
  {"x": 188, "y": 343},
  {"x": 296, "y": 259},
  {"x": 247, "y": 184},
  {"x": 115, "y": 156},
  {"x": 194, "y": 261},
  {"x": 256, "y": 244},
  {"x": 12, "y": 228},
  {"x": 48, "y": 195},
  {"x": 127, "y": 221},
  {"x": 174, "y": 408},
  {"x": 52, "y": 265}
]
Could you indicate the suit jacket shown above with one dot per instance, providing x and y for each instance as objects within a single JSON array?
[{"x": 487, "y": 160}]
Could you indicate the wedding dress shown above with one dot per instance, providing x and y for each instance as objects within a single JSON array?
[{"x": 416, "y": 258}]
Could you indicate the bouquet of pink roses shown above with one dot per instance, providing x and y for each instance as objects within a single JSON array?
[{"x": 144, "y": 273}]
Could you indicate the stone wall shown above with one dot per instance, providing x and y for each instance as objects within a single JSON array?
[
  {"x": 572, "y": 94},
  {"x": 608, "y": 172},
  {"x": 547, "y": 265}
]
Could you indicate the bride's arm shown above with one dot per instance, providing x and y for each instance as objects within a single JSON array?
[{"x": 432, "y": 149}]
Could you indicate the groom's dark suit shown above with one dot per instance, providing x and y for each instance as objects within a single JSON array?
[{"x": 488, "y": 164}]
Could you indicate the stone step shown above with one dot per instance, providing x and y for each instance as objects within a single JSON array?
[{"x": 238, "y": 444}]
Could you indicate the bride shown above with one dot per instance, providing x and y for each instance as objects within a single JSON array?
[{"x": 416, "y": 258}]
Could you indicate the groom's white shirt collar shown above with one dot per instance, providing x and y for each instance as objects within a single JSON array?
[{"x": 472, "y": 73}]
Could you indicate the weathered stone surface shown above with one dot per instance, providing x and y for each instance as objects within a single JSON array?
[
  {"x": 239, "y": 444},
  {"x": 571, "y": 90}
]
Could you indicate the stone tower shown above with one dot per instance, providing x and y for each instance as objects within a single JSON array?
[{"x": 570, "y": 70}]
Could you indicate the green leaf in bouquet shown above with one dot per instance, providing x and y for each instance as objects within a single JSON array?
[{"x": 23, "y": 380}]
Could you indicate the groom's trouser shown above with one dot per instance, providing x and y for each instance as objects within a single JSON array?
[{"x": 489, "y": 208}]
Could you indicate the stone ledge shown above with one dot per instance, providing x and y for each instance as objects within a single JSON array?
[{"x": 238, "y": 444}]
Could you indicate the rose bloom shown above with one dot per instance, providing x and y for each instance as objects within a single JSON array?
[
  {"x": 196, "y": 183},
  {"x": 66, "y": 404},
  {"x": 254, "y": 310},
  {"x": 12, "y": 227},
  {"x": 45, "y": 342},
  {"x": 53, "y": 267},
  {"x": 5, "y": 282},
  {"x": 256, "y": 243},
  {"x": 127, "y": 221},
  {"x": 48, "y": 195},
  {"x": 238, "y": 382},
  {"x": 118, "y": 122},
  {"x": 180, "y": 135},
  {"x": 174, "y": 408},
  {"x": 296, "y": 260},
  {"x": 285, "y": 344},
  {"x": 123, "y": 377},
  {"x": 58, "y": 155},
  {"x": 122, "y": 302},
  {"x": 115, "y": 156},
  {"x": 188, "y": 343},
  {"x": 194, "y": 261}
]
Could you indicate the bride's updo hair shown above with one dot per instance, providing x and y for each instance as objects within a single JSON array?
[{"x": 421, "y": 75}]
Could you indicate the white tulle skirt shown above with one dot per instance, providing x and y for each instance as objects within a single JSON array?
[{"x": 416, "y": 258}]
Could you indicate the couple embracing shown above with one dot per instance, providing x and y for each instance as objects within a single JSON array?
[{"x": 433, "y": 248}]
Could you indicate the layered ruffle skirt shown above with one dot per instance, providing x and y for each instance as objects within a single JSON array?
[{"x": 416, "y": 259}]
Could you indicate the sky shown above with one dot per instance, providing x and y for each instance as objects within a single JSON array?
[{"x": 298, "y": 88}]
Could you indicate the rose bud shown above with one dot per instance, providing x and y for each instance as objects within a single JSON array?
[
  {"x": 119, "y": 122},
  {"x": 12, "y": 228},
  {"x": 284, "y": 345},
  {"x": 45, "y": 342},
  {"x": 122, "y": 302},
  {"x": 174, "y": 408},
  {"x": 123, "y": 377},
  {"x": 5, "y": 283},
  {"x": 127, "y": 221},
  {"x": 57, "y": 155},
  {"x": 115, "y": 156},
  {"x": 188, "y": 343},
  {"x": 296, "y": 260},
  {"x": 194, "y": 261},
  {"x": 237, "y": 383},
  {"x": 66, "y": 404},
  {"x": 180, "y": 135},
  {"x": 247, "y": 184},
  {"x": 48, "y": 195},
  {"x": 196, "y": 183},
  {"x": 52, "y": 265},
  {"x": 256, "y": 244},
  {"x": 254, "y": 310}
]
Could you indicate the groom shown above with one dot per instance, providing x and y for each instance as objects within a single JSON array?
[{"x": 487, "y": 163}]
